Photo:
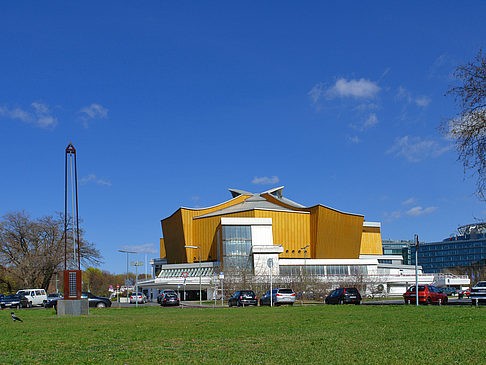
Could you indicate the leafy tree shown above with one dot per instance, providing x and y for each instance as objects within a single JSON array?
[
  {"x": 32, "y": 250},
  {"x": 468, "y": 127}
]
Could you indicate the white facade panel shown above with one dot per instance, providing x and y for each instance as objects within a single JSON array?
[
  {"x": 261, "y": 235},
  {"x": 225, "y": 221}
]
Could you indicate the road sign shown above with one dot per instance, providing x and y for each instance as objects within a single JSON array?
[
  {"x": 137, "y": 263},
  {"x": 117, "y": 286},
  {"x": 270, "y": 262},
  {"x": 221, "y": 275},
  {"x": 184, "y": 274}
]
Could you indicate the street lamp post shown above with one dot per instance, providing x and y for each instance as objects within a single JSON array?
[
  {"x": 305, "y": 252},
  {"x": 200, "y": 272},
  {"x": 416, "y": 270},
  {"x": 126, "y": 283},
  {"x": 137, "y": 264},
  {"x": 305, "y": 272}
]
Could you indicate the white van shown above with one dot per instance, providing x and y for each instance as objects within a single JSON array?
[{"x": 34, "y": 296}]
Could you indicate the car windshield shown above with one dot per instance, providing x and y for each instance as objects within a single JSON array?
[
  {"x": 481, "y": 284},
  {"x": 285, "y": 291},
  {"x": 171, "y": 295},
  {"x": 23, "y": 292},
  {"x": 12, "y": 296}
]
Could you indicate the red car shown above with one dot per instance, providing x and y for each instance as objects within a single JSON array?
[{"x": 427, "y": 294}]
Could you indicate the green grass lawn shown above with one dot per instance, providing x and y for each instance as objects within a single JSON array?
[{"x": 309, "y": 334}]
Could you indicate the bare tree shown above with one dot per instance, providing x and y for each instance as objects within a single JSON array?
[
  {"x": 33, "y": 250},
  {"x": 468, "y": 127}
]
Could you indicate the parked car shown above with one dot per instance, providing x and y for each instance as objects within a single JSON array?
[
  {"x": 427, "y": 294},
  {"x": 465, "y": 292},
  {"x": 169, "y": 299},
  {"x": 449, "y": 291},
  {"x": 34, "y": 296},
  {"x": 94, "y": 301},
  {"x": 242, "y": 298},
  {"x": 344, "y": 296},
  {"x": 138, "y": 298},
  {"x": 162, "y": 292},
  {"x": 53, "y": 297},
  {"x": 279, "y": 296},
  {"x": 478, "y": 293},
  {"x": 14, "y": 301}
]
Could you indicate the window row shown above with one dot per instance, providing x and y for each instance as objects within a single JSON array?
[{"x": 324, "y": 270}]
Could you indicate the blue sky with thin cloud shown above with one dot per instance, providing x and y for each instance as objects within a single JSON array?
[{"x": 169, "y": 104}]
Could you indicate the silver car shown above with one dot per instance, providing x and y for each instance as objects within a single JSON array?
[{"x": 279, "y": 296}]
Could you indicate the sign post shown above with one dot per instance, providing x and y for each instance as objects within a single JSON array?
[
  {"x": 184, "y": 275},
  {"x": 416, "y": 270},
  {"x": 221, "y": 277},
  {"x": 137, "y": 264},
  {"x": 270, "y": 265}
]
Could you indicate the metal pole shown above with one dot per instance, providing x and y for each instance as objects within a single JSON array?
[
  {"x": 271, "y": 284},
  {"x": 200, "y": 272},
  {"x": 200, "y": 278},
  {"x": 215, "y": 287},
  {"x": 222, "y": 303},
  {"x": 126, "y": 282},
  {"x": 136, "y": 286},
  {"x": 416, "y": 271}
]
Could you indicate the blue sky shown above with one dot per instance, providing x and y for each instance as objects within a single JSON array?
[{"x": 169, "y": 104}]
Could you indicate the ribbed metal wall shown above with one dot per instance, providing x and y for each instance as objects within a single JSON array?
[
  {"x": 330, "y": 233},
  {"x": 371, "y": 241}
]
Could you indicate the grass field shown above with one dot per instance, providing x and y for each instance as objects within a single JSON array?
[{"x": 309, "y": 334}]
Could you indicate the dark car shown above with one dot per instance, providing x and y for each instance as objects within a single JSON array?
[
  {"x": 94, "y": 301},
  {"x": 344, "y": 296},
  {"x": 242, "y": 298},
  {"x": 427, "y": 294},
  {"x": 448, "y": 291},
  {"x": 161, "y": 294},
  {"x": 52, "y": 299},
  {"x": 14, "y": 301},
  {"x": 278, "y": 297},
  {"x": 169, "y": 299}
]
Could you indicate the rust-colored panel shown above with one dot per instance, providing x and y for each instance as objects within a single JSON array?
[
  {"x": 162, "y": 248},
  {"x": 338, "y": 234},
  {"x": 291, "y": 230},
  {"x": 174, "y": 242},
  {"x": 371, "y": 241}
]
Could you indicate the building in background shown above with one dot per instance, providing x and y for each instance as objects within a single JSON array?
[
  {"x": 268, "y": 234},
  {"x": 466, "y": 249},
  {"x": 398, "y": 247}
]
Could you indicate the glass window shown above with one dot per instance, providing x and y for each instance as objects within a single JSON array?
[{"x": 237, "y": 247}]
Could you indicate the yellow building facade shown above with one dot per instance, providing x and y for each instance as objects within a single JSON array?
[{"x": 316, "y": 232}]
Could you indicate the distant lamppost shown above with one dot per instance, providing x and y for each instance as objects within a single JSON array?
[
  {"x": 305, "y": 273},
  {"x": 200, "y": 272},
  {"x": 416, "y": 270},
  {"x": 305, "y": 252},
  {"x": 126, "y": 282}
]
